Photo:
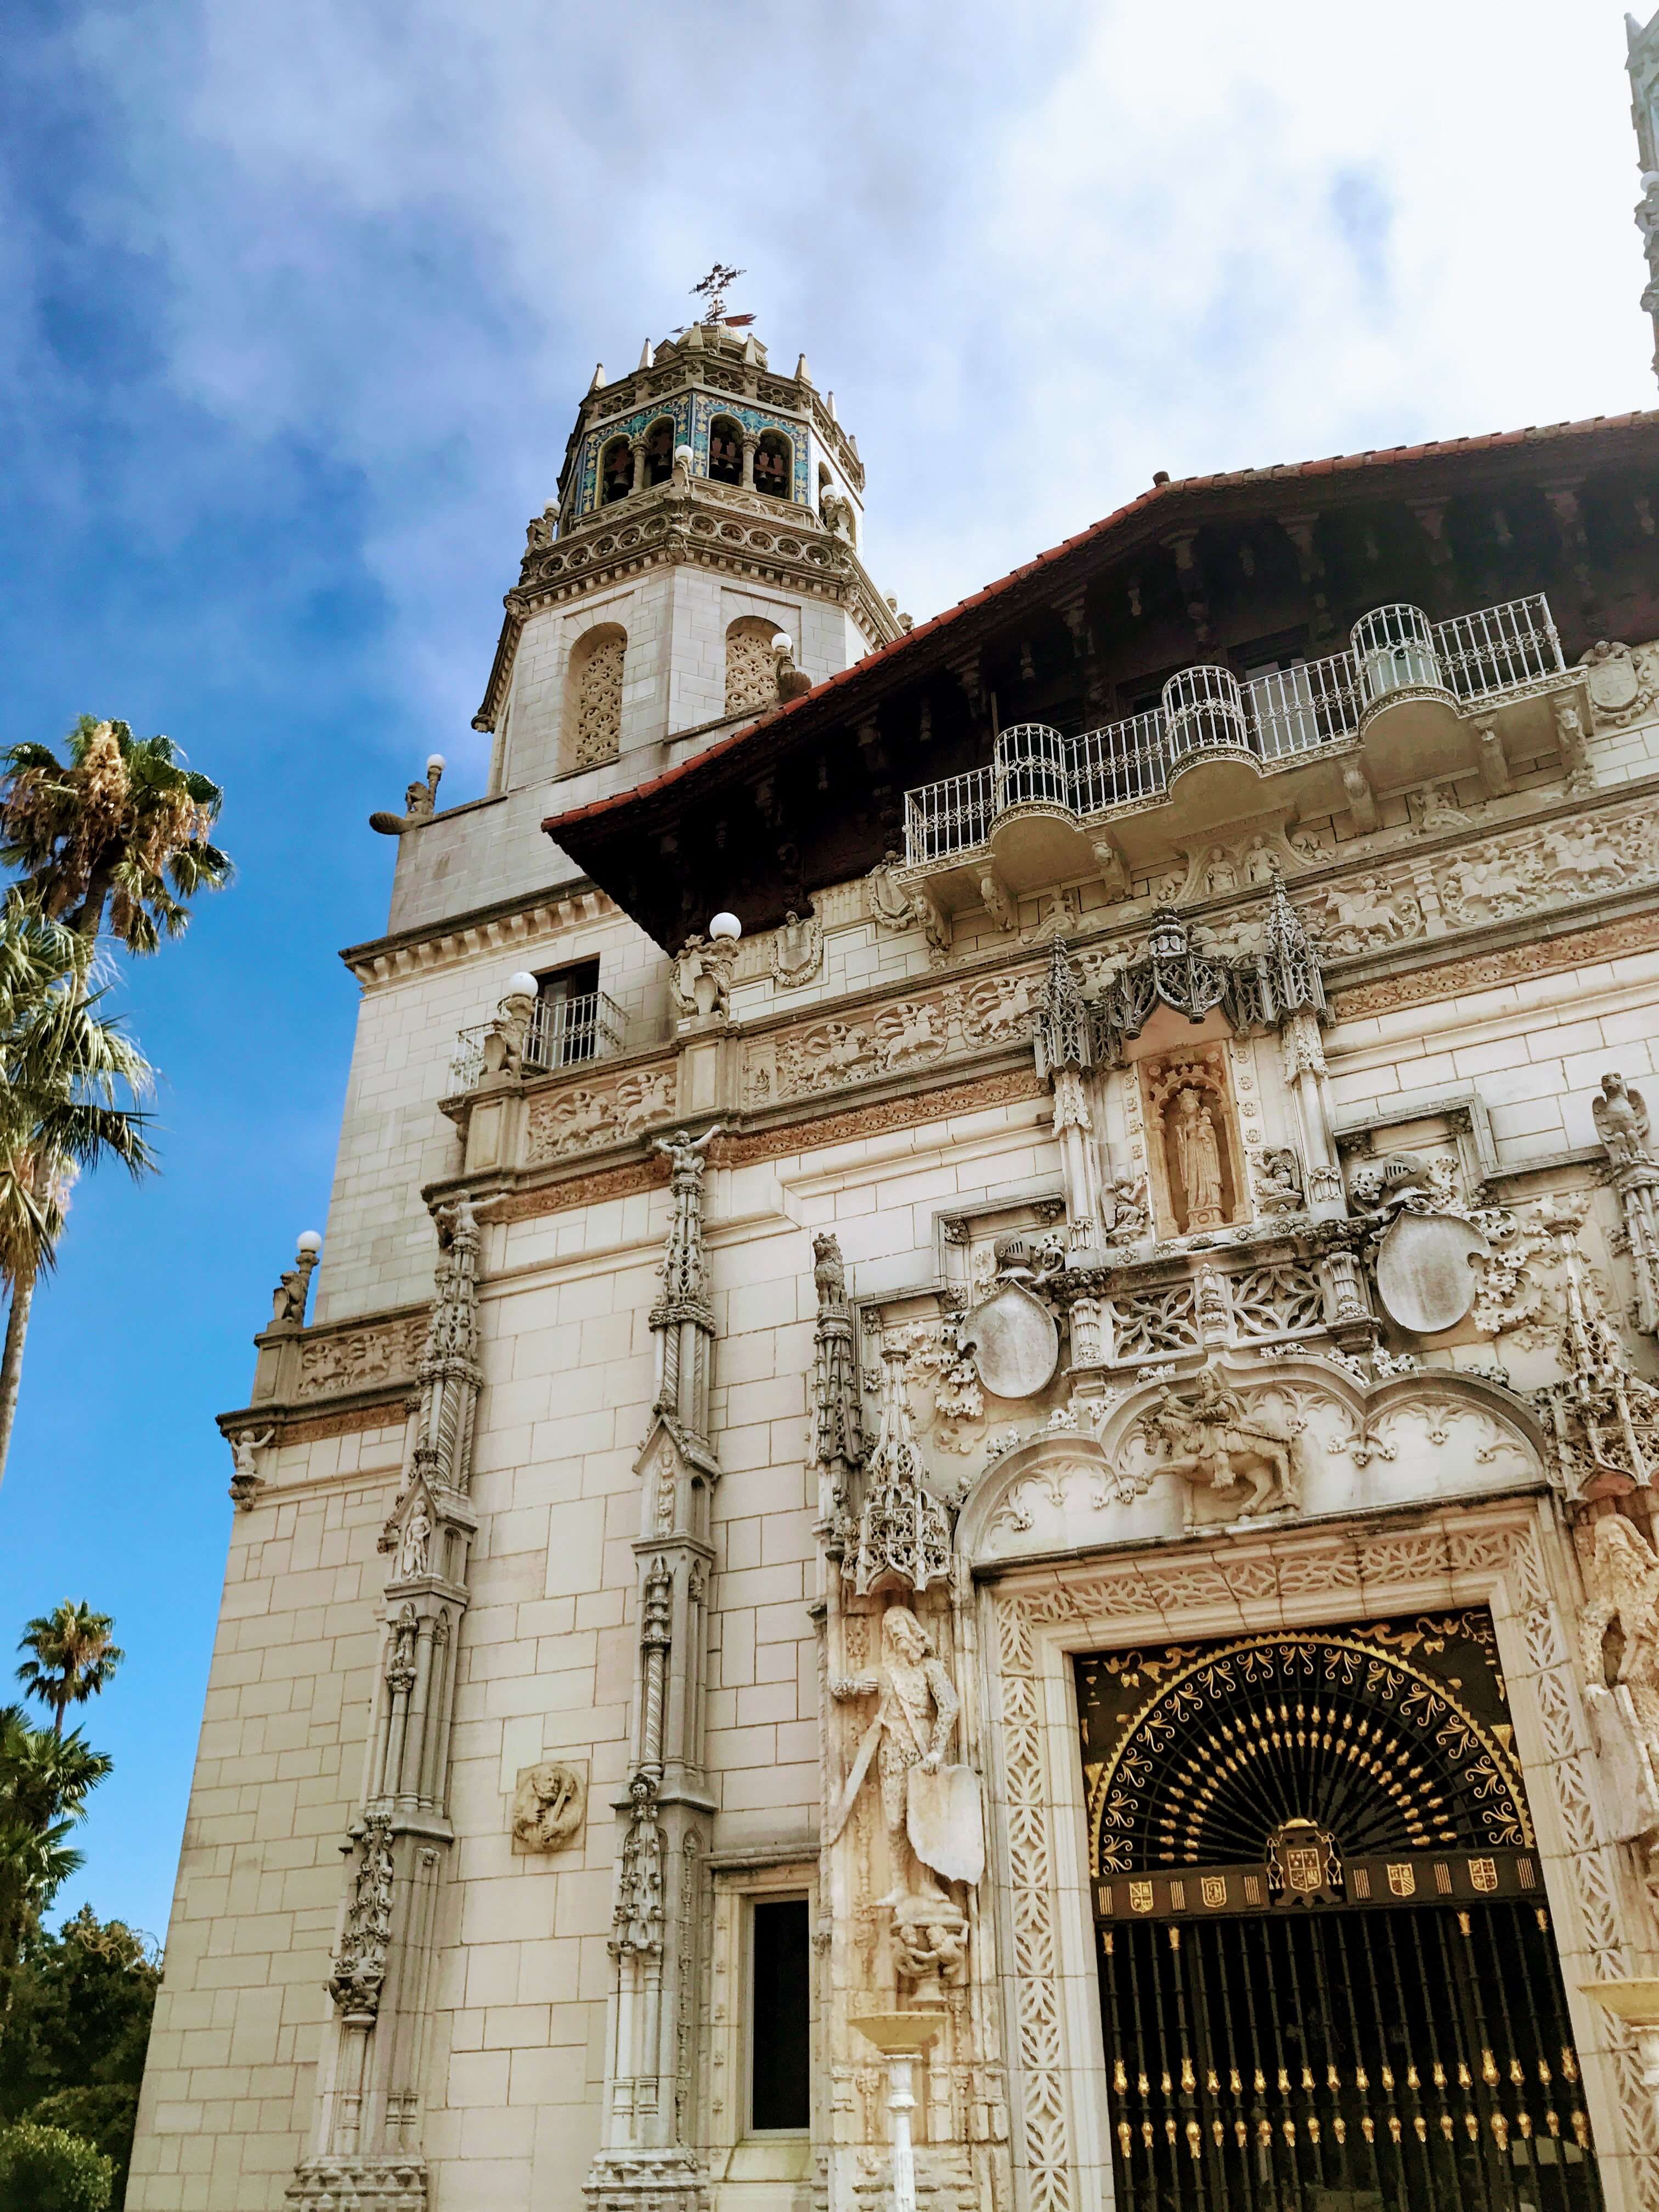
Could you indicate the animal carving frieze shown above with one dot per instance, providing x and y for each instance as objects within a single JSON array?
[
  {"x": 591, "y": 1114},
  {"x": 361, "y": 1358}
]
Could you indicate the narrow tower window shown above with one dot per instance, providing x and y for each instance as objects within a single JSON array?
[
  {"x": 616, "y": 471},
  {"x": 772, "y": 464},
  {"x": 779, "y": 2016},
  {"x": 659, "y": 453},
  {"x": 725, "y": 450}
]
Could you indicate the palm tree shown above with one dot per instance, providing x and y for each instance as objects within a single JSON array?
[
  {"x": 62, "y": 1065},
  {"x": 117, "y": 830},
  {"x": 44, "y": 1781},
  {"x": 75, "y": 1656},
  {"x": 114, "y": 833}
]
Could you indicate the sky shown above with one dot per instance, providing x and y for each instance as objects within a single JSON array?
[{"x": 296, "y": 306}]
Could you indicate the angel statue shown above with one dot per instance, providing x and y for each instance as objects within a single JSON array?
[
  {"x": 245, "y": 1483},
  {"x": 1622, "y": 1122}
]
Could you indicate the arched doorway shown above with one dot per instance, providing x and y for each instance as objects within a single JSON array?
[{"x": 1327, "y": 1977}]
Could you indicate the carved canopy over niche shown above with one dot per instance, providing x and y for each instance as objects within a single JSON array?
[
  {"x": 1244, "y": 1444},
  {"x": 1197, "y": 1158}
]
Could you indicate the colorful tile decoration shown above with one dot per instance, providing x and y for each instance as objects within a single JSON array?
[{"x": 692, "y": 413}]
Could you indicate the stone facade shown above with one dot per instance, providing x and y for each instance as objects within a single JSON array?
[{"x": 709, "y": 1455}]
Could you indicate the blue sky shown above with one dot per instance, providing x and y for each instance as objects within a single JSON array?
[{"x": 295, "y": 306}]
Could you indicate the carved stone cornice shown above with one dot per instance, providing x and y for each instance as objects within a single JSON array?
[{"x": 502, "y": 925}]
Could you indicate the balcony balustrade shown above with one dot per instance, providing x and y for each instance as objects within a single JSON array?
[
  {"x": 563, "y": 1032},
  {"x": 1232, "y": 733}
]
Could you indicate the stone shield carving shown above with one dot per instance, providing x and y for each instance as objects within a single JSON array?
[
  {"x": 944, "y": 1822},
  {"x": 1013, "y": 1342},
  {"x": 1424, "y": 1272}
]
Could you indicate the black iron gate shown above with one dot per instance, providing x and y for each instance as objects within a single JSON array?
[{"x": 1327, "y": 1978}]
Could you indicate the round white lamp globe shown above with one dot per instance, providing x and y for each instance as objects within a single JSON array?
[
  {"x": 309, "y": 1241},
  {"x": 684, "y": 453},
  {"x": 522, "y": 986},
  {"x": 435, "y": 763},
  {"x": 782, "y": 643},
  {"x": 725, "y": 926}
]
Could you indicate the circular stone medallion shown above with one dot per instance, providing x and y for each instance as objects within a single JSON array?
[{"x": 1424, "y": 1274}]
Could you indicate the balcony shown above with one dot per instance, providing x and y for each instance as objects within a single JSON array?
[
  {"x": 563, "y": 1032},
  {"x": 1407, "y": 690}
]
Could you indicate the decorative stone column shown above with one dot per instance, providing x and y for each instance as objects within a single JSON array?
[
  {"x": 368, "y": 2141},
  {"x": 1297, "y": 1006},
  {"x": 903, "y": 1929},
  {"x": 1624, "y": 1126},
  {"x": 647, "y": 2163},
  {"x": 751, "y": 447},
  {"x": 1064, "y": 1056}
]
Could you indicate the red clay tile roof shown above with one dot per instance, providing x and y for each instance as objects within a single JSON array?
[{"x": 1183, "y": 487}]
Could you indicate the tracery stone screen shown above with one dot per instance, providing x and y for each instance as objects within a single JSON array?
[
  {"x": 593, "y": 697},
  {"x": 751, "y": 673}
]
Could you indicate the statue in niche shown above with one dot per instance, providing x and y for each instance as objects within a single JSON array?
[
  {"x": 1278, "y": 1181},
  {"x": 413, "y": 1553},
  {"x": 1260, "y": 862},
  {"x": 931, "y": 1811},
  {"x": 1197, "y": 1160},
  {"x": 1219, "y": 874},
  {"x": 1214, "y": 1442}
]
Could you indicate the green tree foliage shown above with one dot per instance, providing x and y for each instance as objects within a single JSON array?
[
  {"x": 72, "y": 1655},
  {"x": 72, "y": 2045},
  {"x": 44, "y": 1781},
  {"x": 44, "y": 2170}
]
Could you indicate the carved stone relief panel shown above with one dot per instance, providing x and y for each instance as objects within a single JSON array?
[{"x": 596, "y": 1110}]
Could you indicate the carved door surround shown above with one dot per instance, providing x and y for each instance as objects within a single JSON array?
[{"x": 1509, "y": 1554}]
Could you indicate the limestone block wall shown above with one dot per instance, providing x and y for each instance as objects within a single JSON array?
[
  {"x": 228, "y": 2087},
  {"x": 377, "y": 1247}
]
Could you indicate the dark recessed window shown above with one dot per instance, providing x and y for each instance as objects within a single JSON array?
[{"x": 780, "y": 2016}]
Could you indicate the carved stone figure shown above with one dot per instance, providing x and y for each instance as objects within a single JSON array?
[
  {"x": 360, "y": 1963},
  {"x": 1125, "y": 1208},
  {"x": 549, "y": 1805},
  {"x": 288, "y": 1301},
  {"x": 1278, "y": 1181},
  {"x": 701, "y": 979},
  {"x": 636, "y": 1918},
  {"x": 1574, "y": 751},
  {"x": 1623, "y": 1123},
  {"x": 1582, "y": 859},
  {"x": 932, "y": 1834},
  {"x": 1441, "y": 810},
  {"x": 1210, "y": 1439},
  {"x": 1620, "y": 1636},
  {"x": 1261, "y": 861},
  {"x": 414, "y": 1553},
  {"x": 1365, "y": 915},
  {"x": 245, "y": 1482},
  {"x": 1197, "y": 1161},
  {"x": 998, "y": 905},
  {"x": 1362, "y": 800},
  {"x": 1220, "y": 875}
]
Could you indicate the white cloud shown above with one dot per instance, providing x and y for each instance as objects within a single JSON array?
[{"x": 1038, "y": 255}]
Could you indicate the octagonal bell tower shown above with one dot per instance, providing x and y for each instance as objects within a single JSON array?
[{"x": 705, "y": 506}]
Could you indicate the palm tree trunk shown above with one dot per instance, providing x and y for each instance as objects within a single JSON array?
[{"x": 11, "y": 1364}]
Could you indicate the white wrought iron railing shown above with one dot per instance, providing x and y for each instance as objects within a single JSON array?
[
  {"x": 563, "y": 1033},
  {"x": 1491, "y": 654}
]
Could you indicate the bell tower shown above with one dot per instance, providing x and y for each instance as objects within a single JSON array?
[{"x": 703, "y": 559}]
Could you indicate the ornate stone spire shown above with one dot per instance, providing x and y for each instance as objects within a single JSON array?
[
  {"x": 902, "y": 1528},
  {"x": 837, "y": 1415},
  {"x": 1064, "y": 1044},
  {"x": 682, "y": 1318},
  {"x": 1062, "y": 1035},
  {"x": 1643, "y": 63},
  {"x": 368, "y": 2148},
  {"x": 1289, "y": 962}
]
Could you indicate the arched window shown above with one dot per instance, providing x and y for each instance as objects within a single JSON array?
[
  {"x": 616, "y": 471},
  {"x": 725, "y": 450},
  {"x": 773, "y": 458},
  {"x": 659, "y": 452},
  {"x": 591, "y": 730},
  {"x": 751, "y": 671}
]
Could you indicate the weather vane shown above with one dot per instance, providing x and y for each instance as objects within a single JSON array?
[{"x": 711, "y": 290}]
